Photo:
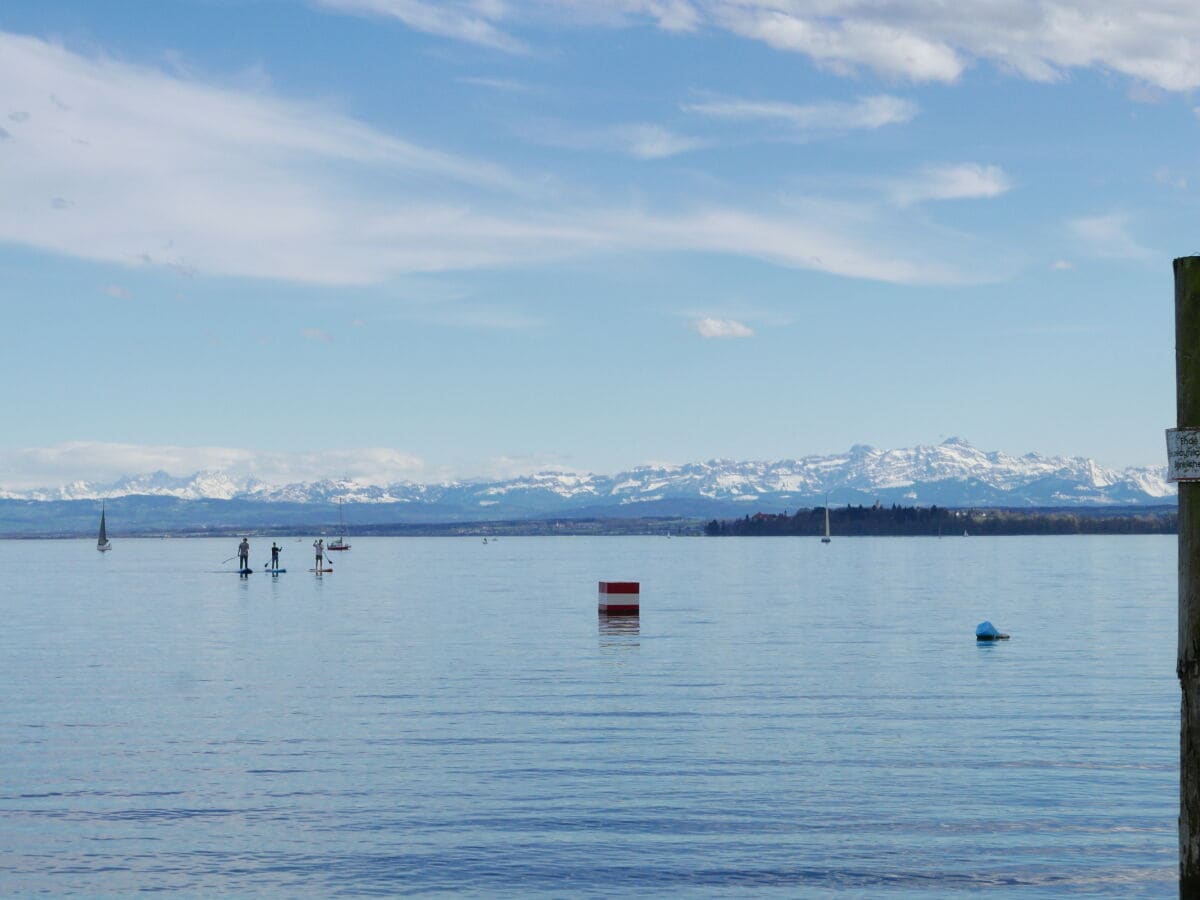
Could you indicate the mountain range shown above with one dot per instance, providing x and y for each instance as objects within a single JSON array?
[{"x": 953, "y": 473}]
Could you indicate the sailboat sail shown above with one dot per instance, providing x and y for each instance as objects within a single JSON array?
[
  {"x": 102, "y": 543},
  {"x": 340, "y": 543}
]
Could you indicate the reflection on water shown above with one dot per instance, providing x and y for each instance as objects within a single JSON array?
[
  {"x": 989, "y": 645},
  {"x": 436, "y": 719},
  {"x": 619, "y": 631}
]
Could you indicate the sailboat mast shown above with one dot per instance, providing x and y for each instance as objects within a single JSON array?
[{"x": 102, "y": 538}]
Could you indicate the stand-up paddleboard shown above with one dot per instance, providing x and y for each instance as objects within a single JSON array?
[
  {"x": 320, "y": 570},
  {"x": 274, "y": 571},
  {"x": 245, "y": 571}
]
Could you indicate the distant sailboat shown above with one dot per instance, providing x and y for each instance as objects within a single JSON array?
[
  {"x": 340, "y": 543},
  {"x": 826, "y": 539},
  {"x": 102, "y": 542}
]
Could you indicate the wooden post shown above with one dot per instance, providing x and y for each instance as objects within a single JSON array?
[{"x": 1187, "y": 399}]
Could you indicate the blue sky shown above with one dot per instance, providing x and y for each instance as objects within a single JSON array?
[{"x": 392, "y": 239}]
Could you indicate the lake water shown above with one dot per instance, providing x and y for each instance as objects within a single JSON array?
[{"x": 440, "y": 715}]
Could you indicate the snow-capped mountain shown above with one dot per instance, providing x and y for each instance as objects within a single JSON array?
[{"x": 953, "y": 473}]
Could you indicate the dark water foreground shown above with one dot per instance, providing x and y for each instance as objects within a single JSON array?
[{"x": 441, "y": 715}]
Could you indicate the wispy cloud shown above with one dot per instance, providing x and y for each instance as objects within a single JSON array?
[
  {"x": 471, "y": 21},
  {"x": 203, "y": 179},
  {"x": 654, "y": 141},
  {"x": 1165, "y": 176},
  {"x": 722, "y": 328},
  {"x": 807, "y": 240},
  {"x": 640, "y": 140},
  {"x": 172, "y": 172},
  {"x": 1107, "y": 237},
  {"x": 1062, "y": 265},
  {"x": 844, "y": 42},
  {"x": 1155, "y": 42},
  {"x": 117, "y": 292},
  {"x": 505, "y": 85},
  {"x": 670, "y": 15},
  {"x": 959, "y": 181},
  {"x": 805, "y": 118},
  {"x": 318, "y": 334}
]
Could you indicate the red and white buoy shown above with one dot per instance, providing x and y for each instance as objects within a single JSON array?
[{"x": 619, "y": 598}]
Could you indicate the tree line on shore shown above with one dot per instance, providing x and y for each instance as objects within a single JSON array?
[{"x": 933, "y": 521}]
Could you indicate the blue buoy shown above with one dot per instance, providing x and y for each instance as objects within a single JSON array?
[{"x": 986, "y": 631}]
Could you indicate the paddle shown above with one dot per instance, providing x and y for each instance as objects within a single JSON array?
[{"x": 231, "y": 559}]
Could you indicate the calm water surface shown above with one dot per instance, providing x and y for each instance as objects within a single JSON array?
[{"x": 444, "y": 716}]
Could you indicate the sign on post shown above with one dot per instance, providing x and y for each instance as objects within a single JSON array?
[{"x": 1183, "y": 454}]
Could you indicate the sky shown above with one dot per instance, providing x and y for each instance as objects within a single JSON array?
[{"x": 405, "y": 239}]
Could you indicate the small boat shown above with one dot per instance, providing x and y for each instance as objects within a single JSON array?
[
  {"x": 827, "y": 538},
  {"x": 102, "y": 542},
  {"x": 340, "y": 542}
]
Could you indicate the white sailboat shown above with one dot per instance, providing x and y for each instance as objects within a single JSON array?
[
  {"x": 827, "y": 538},
  {"x": 340, "y": 542},
  {"x": 102, "y": 542}
]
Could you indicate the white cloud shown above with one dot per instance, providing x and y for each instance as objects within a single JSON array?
[
  {"x": 1062, "y": 265},
  {"x": 1165, "y": 176},
  {"x": 446, "y": 18},
  {"x": 960, "y": 181},
  {"x": 503, "y": 467},
  {"x": 1148, "y": 94},
  {"x": 1154, "y": 42},
  {"x": 117, "y": 292},
  {"x": 843, "y": 43},
  {"x": 1107, "y": 237},
  {"x": 202, "y": 179},
  {"x": 810, "y": 239},
  {"x": 640, "y": 140},
  {"x": 505, "y": 85},
  {"x": 670, "y": 15},
  {"x": 174, "y": 172},
  {"x": 830, "y": 116},
  {"x": 101, "y": 463},
  {"x": 655, "y": 142},
  {"x": 60, "y": 464},
  {"x": 318, "y": 334},
  {"x": 722, "y": 328}
]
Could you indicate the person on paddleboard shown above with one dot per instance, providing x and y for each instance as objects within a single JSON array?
[
  {"x": 319, "y": 547},
  {"x": 244, "y": 554},
  {"x": 275, "y": 548}
]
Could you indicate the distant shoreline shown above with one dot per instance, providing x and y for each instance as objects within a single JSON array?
[
  {"x": 933, "y": 521},
  {"x": 651, "y": 527},
  {"x": 844, "y": 522}
]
